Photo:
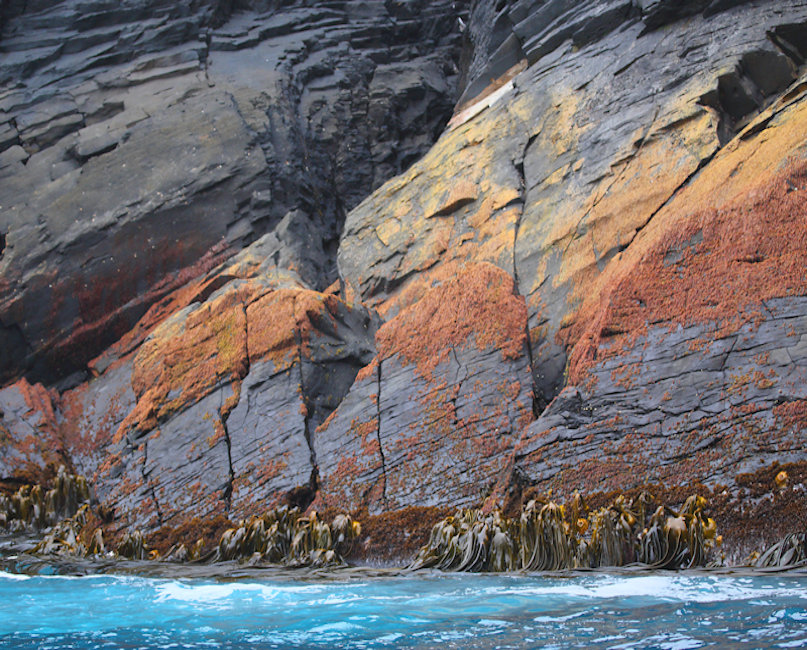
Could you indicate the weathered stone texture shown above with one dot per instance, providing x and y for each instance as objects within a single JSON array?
[
  {"x": 552, "y": 176},
  {"x": 687, "y": 362},
  {"x": 434, "y": 418},
  {"x": 29, "y": 435},
  {"x": 678, "y": 407},
  {"x": 142, "y": 143},
  {"x": 90, "y": 415},
  {"x": 609, "y": 234},
  {"x": 228, "y": 390}
]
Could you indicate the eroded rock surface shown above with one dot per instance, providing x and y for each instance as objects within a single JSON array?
[
  {"x": 227, "y": 391},
  {"x": 593, "y": 280},
  {"x": 434, "y": 418},
  {"x": 141, "y": 144},
  {"x": 590, "y": 142},
  {"x": 690, "y": 364}
]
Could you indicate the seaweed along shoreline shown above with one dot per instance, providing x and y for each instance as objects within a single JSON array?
[{"x": 60, "y": 529}]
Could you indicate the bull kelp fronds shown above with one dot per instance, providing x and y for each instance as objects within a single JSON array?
[
  {"x": 551, "y": 537},
  {"x": 36, "y": 507},
  {"x": 280, "y": 536},
  {"x": 788, "y": 553},
  {"x": 284, "y": 536}
]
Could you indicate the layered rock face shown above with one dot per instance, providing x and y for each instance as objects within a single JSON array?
[
  {"x": 593, "y": 280},
  {"x": 637, "y": 173},
  {"x": 143, "y": 143},
  {"x": 451, "y": 391}
]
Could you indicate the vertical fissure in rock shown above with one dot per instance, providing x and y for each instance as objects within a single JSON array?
[
  {"x": 2, "y": 243},
  {"x": 457, "y": 388},
  {"x": 307, "y": 406},
  {"x": 518, "y": 165},
  {"x": 378, "y": 436},
  {"x": 228, "y": 489},
  {"x": 224, "y": 416},
  {"x": 151, "y": 489}
]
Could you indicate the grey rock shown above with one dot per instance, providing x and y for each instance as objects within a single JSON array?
[
  {"x": 663, "y": 414},
  {"x": 149, "y": 126}
]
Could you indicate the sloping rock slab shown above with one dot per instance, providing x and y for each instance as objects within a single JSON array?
[
  {"x": 225, "y": 400},
  {"x": 29, "y": 438},
  {"x": 693, "y": 367}
]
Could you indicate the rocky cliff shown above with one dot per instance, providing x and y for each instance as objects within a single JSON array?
[{"x": 374, "y": 256}]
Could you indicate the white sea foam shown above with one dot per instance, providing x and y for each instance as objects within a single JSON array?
[
  {"x": 219, "y": 592},
  {"x": 13, "y": 576},
  {"x": 668, "y": 588},
  {"x": 340, "y": 626}
]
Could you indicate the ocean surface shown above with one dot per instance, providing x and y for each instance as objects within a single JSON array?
[{"x": 355, "y": 609}]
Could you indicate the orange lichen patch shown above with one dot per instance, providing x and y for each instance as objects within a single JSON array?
[
  {"x": 283, "y": 320},
  {"x": 187, "y": 357},
  {"x": 418, "y": 286},
  {"x": 368, "y": 370},
  {"x": 314, "y": 311},
  {"x": 481, "y": 231},
  {"x": 458, "y": 194},
  {"x": 791, "y": 415},
  {"x": 442, "y": 210},
  {"x": 272, "y": 325},
  {"x": 89, "y": 419},
  {"x": 478, "y": 302},
  {"x": 347, "y": 486},
  {"x": 38, "y": 452},
  {"x": 717, "y": 265},
  {"x": 40, "y": 400}
]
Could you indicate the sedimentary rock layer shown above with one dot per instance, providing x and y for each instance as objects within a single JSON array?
[
  {"x": 435, "y": 416},
  {"x": 140, "y": 144}
]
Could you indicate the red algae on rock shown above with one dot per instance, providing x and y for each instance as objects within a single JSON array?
[
  {"x": 433, "y": 419},
  {"x": 718, "y": 266},
  {"x": 480, "y": 301}
]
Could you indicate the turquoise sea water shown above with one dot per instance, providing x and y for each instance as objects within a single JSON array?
[{"x": 351, "y": 610}]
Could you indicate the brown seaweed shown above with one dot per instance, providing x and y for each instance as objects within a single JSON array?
[{"x": 545, "y": 538}]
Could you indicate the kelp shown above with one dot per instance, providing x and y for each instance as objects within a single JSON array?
[
  {"x": 32, "y": 507},
  {"x": 788, "y": 553},
  {"x": 284, "y": 536},
  {"x": 547, "y": 538},
  {"x": 280, "y": 536}
]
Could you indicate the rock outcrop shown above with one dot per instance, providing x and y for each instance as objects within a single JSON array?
[
  {"x": 629, "y": 177},
  {"x": 435, "y": 416},
  {"x": 226, "y": 394},
  {"x": 142, "y": 144},
  {"x": 593, "y": 280}
]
